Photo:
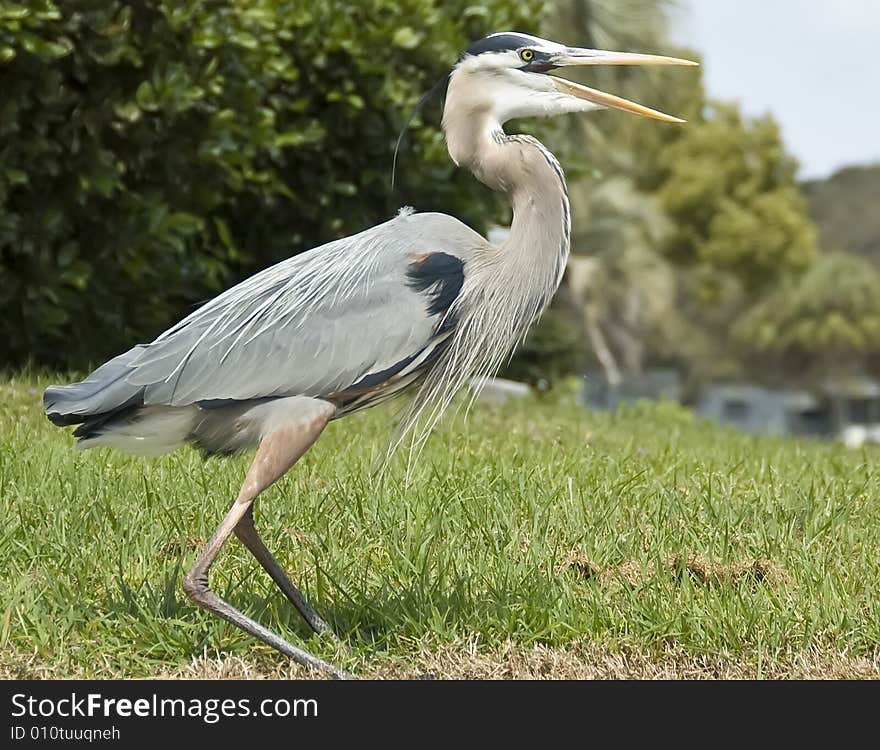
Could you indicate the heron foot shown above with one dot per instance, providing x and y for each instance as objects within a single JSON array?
[
  {"x": 195, "y": 584},
  {"x": 247, "y": 534}
]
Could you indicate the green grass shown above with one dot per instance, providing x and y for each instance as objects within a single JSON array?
[{"x": 473, "y": 549}]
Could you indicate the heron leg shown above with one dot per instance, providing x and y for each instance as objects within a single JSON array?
[
  {"x": 248, "y": 535},
  {"x": 279, "y": 449}
]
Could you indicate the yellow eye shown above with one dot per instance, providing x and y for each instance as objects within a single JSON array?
[{"x": 527, "y": 55}]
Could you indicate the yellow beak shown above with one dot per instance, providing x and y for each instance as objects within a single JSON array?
[{"x": 574, "y": 57}]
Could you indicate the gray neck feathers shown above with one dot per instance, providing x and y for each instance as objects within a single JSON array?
[
  {"x": 541, "y": 226},
  {"x": 506, "y": 286},
  {"x": 532, "y": 259}
]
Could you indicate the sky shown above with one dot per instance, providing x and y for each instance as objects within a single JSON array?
[{"x": 814, "y": 64}]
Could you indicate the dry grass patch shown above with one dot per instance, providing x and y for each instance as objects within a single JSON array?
[
  {"x": 704, "y": 571},
  {"x": 467, "y": 661},
  {"x": 177, "y": 547}
]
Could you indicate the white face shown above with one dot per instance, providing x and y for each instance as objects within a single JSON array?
[
  {"x": 501, "y": 85},
  {"x": 505, "y": 76}
]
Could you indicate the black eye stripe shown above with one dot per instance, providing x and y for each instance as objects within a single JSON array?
[{"x": 539, "y": 63}]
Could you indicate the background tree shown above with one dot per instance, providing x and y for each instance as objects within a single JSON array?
[
  {"x": 825, "y": 321},
  {"x": 617, "y": 277},
  {"x": 741, "y": 228},
  {"x": 626, "y": 288},
  {"x": 728, "y": 185},
  {"x": 684, "y": 228},
  {"x": 844, "y": 208},
  {"x": 154, "y": 152}
]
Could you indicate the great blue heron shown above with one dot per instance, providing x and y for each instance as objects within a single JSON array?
[{"x": 420, "y": 299}]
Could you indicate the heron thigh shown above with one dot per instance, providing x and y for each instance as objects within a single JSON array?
[
  {"x": 287, "y": 429},
  {"x": 241, "y": 425}
]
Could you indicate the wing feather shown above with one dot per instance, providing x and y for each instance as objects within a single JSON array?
[{"x": 312, "y": 325}]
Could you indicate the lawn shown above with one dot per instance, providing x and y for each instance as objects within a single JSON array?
[{"x": 535, "y": 539}]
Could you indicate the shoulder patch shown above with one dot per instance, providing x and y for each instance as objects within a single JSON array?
[{"x": 439, "y": 276}]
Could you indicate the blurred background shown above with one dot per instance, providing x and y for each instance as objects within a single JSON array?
[{"x": 154, "y": 153}]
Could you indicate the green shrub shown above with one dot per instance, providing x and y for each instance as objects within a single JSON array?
[{"x": 153, "y": 152}]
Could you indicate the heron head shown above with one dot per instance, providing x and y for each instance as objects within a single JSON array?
[{"x": 507, "y": 75}]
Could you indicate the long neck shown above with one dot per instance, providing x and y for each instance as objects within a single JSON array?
[
  {"x": 523, "y": 169},
  {"x": 506, "y": 287}
]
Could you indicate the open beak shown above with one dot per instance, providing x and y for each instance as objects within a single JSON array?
[{"x": 574, "y": 56}]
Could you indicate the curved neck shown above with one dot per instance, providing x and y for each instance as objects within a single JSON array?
[
  {"x": 521, "y": 167},
  {"x": 506, "y": 287}
]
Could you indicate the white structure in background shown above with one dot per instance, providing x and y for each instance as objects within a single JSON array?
[
  {"x": 499, "y": 390},
  {"x": 845, "y": 409},
  {"x": 765, "y": 411},
  {"x": 856, "y": 435},
  {"x": 497, "y": 235}
]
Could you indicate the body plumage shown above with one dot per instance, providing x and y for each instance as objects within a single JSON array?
[{"x": 419, "y": 302}]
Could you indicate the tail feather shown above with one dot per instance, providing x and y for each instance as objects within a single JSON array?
[
  {"x": 100, "y": 396},
  {"x": 110, "y": 411}
]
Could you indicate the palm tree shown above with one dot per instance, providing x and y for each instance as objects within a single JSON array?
[
  {"x": 623, "y": 285},
  {"x": 626, "y": 289}
]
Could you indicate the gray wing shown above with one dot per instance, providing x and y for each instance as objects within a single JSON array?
[{"x": 334, "y": 320}]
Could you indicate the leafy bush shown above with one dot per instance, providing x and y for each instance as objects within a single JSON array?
[
  {"x": 830, "y": 313},
  {"x": 153, "y": 152}
]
